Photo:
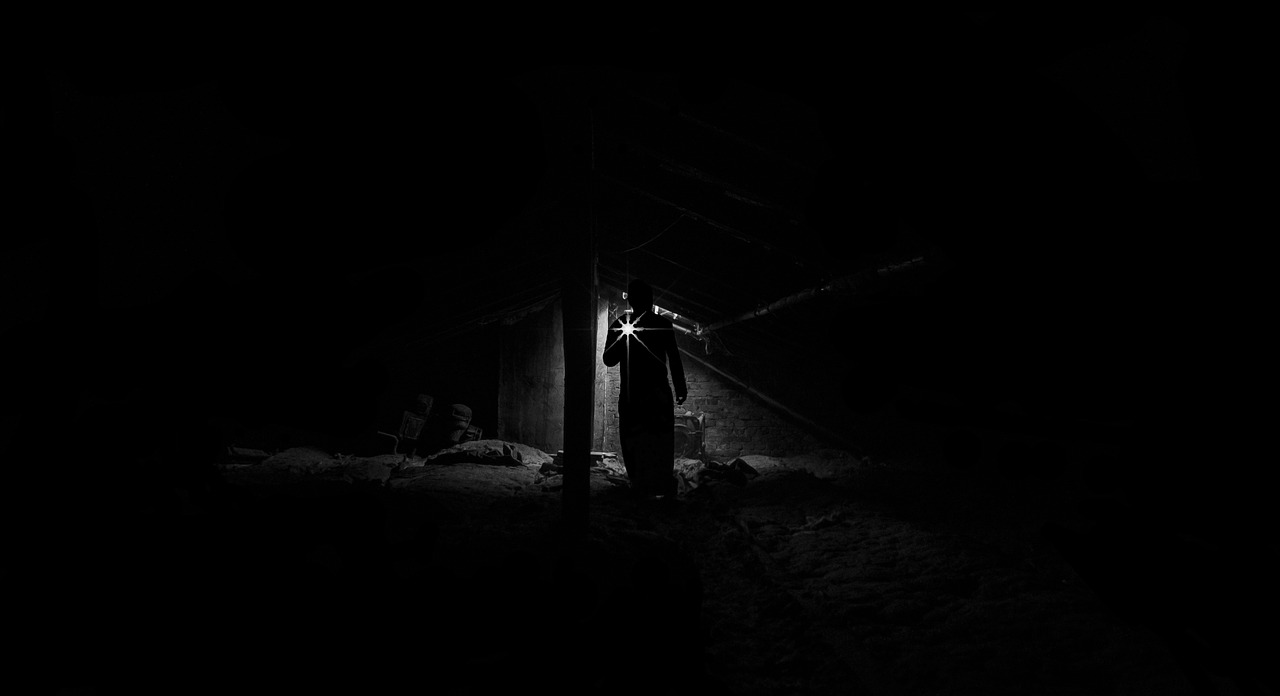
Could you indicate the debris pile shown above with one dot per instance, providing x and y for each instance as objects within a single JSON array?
[
  {"x": 316, "y": 465},
  {"x": 496, "y": 452},
  {"x": 693, "y": 473},
  {"x": 313, "y": 464},
  {"x": 604, "y": 465}
]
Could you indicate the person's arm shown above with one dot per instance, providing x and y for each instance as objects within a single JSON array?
[
  {"x": 614, "y": 346},
  {"x": 677, "y": 370}
]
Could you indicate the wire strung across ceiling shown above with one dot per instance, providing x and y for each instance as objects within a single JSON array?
[{"x": 655, "y": 237}]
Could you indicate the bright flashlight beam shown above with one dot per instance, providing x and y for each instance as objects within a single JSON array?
[{"x": 629, "y": 329}]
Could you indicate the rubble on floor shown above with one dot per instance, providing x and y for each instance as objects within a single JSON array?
[
  {"x": 692, "y": 473},
  {"x": 314, "y": 464},
  {"x": 816, "y": 573},
  {"x": 825, "y": 464},
  {"x": 496, "y": 452},
  {"x": 605, "y": 466},
  {"x": 317, "y": 465}
]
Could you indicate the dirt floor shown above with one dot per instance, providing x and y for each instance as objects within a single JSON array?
[{"x": 818, "y": 574}]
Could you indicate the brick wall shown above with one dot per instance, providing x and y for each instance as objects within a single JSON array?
[
  {"x": 613, "y": 385},
  {"x": 736, "y": 424}
]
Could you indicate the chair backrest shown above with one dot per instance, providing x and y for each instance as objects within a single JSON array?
[
  {"x": 411, "y": 425},
  {"x": 694, "y": 423},
  {"x": 689, "y": 436}
]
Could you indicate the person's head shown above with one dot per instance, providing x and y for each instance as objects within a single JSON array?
[{"x": 640, "y": 296}]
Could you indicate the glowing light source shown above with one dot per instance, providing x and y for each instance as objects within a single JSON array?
[{"x": 628, "y": 329}]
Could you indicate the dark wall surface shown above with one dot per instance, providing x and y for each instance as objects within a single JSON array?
[
  {"x": 531, "y": 380},
  {"x": 182, "y": 223}
]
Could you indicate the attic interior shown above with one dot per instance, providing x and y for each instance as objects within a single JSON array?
[{"x": 308, "y": 395}]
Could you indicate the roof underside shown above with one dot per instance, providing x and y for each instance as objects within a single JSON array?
[
  {"x": 419, "y": 200},
  {"x": 705, "y": 196}
]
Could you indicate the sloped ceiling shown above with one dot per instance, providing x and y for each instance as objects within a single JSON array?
[
  {"x": 721, "y": 193},
  {"x": 391, "y": 200}
]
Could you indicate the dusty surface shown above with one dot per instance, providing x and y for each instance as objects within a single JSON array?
[
  {"x": 823, "y": 574},
  {"x": 318, "y": 573}
]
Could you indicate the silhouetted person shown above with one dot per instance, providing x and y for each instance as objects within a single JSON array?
[{"x": 645, "y": 345}]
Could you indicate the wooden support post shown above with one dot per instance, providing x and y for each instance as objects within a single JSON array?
[
  {"x": 579, "y": 301},
  {"x": 579, "y": 306}
]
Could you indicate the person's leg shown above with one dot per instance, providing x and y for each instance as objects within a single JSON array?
[
  {"x": 661, "y": 446},
  {"x": 642, "y": 456},
  {"x": 632, "y": 458},
  {"x": 654, "y": 448}
]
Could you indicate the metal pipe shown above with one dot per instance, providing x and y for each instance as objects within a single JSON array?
[
  {"x": 674, "y": 318},
  {"x": 686, "y": 331},
  {"x": 692, "y": 333},
  {"x": 776, "y": 405},
  {"x": 619, "y": 279},
  {"x": 849, "y": 282}
]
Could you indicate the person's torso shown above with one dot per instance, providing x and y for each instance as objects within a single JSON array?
[{"x": 645, "y": 361}]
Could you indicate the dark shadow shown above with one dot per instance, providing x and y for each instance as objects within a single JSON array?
[
  {"x": 962, "y": 450},
  {"x": 1206, "y": 602},
  {"x": 644, "y": 344}
]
